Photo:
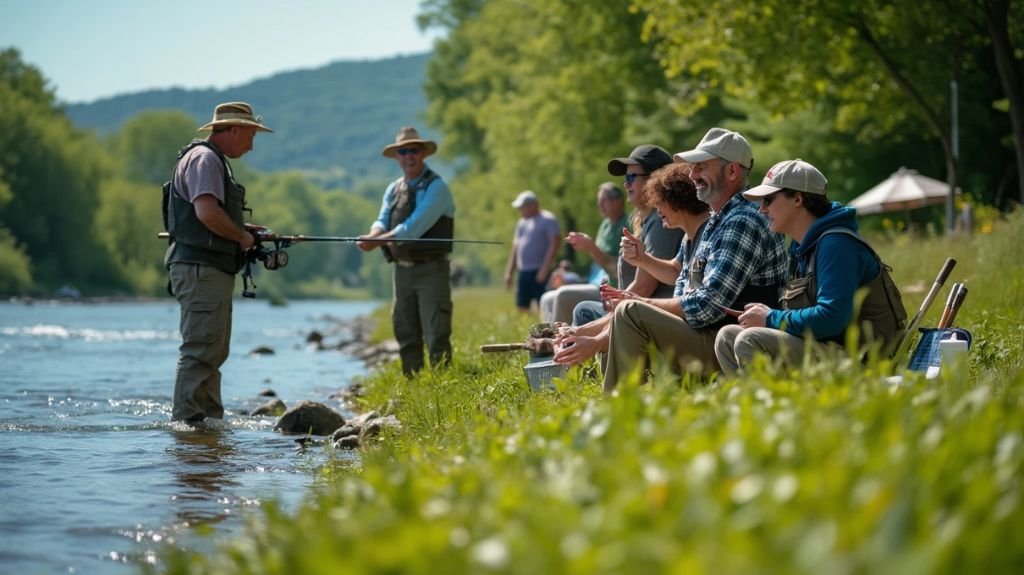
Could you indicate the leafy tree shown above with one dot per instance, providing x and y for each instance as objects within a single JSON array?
[
  {"x": 882, "y": 68},
  {"x": 147, "y": 143},
  {"x": 53, "y": 173},
  {"x": 539, "y": 95}
]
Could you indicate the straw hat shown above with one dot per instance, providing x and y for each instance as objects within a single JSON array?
[
  {"x": 235, "y": 114},
  {"x": 408, "y": 136}
]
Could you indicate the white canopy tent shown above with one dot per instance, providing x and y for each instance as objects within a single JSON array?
[{"x": 902, "y": 191}]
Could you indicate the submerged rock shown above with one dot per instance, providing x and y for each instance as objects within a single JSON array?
[
  {"x": 310, "y": 417},
  {"x": 262, "y": 350},
  {"x": 267, "y": 392}
]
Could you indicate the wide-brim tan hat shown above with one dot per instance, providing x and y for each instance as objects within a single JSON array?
[
  {"x": 409, "y": 136},
  {"x": 235, "y": 114}
]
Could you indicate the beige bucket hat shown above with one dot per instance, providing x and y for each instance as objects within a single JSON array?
[
  {"x": 235, "y": 114},
  {"x": 408, "y": 135}
]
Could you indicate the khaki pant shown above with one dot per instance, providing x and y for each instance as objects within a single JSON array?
[
  {"x": 204, "y": 293},
  {"x": 637, "y": 325},
  {"x": 736, "y": 347},
  {"x": 558, "y": 304},
  {"x": 422, "y": 309}
]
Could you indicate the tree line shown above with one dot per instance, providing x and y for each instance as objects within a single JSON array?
[
  {"x": 539, "y": 94},
  {"x": 81, "y": 209}
]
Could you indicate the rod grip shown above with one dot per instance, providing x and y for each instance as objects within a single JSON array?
[
  {"x": 496, "y": 347},
  {"x": 947, "y": 268}
]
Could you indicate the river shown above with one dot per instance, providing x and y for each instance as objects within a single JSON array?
[{"x": 94, "y": 478}]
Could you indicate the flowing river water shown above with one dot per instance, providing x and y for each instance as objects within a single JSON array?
[{"x": 94, "y": 478}]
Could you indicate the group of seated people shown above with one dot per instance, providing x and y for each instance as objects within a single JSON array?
[{"x": 704, "y": 276}]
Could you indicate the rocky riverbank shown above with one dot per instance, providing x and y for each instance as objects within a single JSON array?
[{"x": 317, "y": 422}]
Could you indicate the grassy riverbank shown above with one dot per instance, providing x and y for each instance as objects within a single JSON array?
[{"x": 826, "y": 470}]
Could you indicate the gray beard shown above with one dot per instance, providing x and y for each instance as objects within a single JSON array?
[{"x": 708, "y": 195}]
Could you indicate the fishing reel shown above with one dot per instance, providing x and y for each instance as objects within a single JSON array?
[{"x": 274, "y": 259}]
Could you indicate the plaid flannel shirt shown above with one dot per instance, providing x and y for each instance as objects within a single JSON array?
[{"x": 737, "y": 249}]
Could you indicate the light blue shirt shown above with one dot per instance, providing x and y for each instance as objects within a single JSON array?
[{"x": 431, "y": 203}]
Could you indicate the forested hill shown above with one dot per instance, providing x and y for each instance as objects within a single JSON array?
[{"x": 325, "y": 120}]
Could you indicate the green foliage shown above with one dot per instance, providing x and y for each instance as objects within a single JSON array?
[
  {"x": 876, "y": 73},
  {"x": 126, "y": 222},
  {"x": 820, "y": 470},
  {"x": 541, "y": 107},
  {"x": 15, "y": 266},
  {"x": 53, "y": 172},
  {"x": 145, "y": 142}
]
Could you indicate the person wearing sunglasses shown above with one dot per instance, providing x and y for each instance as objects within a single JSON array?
[
  {"x": 738, "y": 260},
  {"x": 645, "y": 230},
  {"x": 829, "y": 263},
  {"x": 417, "y": 205}
]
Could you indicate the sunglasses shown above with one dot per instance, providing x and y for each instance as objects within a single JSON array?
[
  {"x": 407, "y": 151},
  {"x": 630, "y": 178},
  {"x": 767, "y": 200}
]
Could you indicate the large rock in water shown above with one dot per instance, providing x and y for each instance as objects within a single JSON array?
[{"x": 310, "y": 417}]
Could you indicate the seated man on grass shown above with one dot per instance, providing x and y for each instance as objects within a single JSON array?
[
  {"x": 738, "y": 261},
  {"x": 671, "y": 193},
  {"x": 829, "y": 262}
]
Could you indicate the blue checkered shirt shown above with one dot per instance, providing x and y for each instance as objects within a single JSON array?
[{"x": 736, "y": 250}]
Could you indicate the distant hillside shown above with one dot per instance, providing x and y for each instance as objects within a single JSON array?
[{"x": 338, "y": 116}]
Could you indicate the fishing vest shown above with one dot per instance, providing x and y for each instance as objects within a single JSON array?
[
  {"x": 882, "y": 316},
  {"x": 403, "y": 204},
  {"x": 191, "y": 241}
]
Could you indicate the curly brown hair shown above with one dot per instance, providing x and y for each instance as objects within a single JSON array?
[{"x": 673, "y": 187}]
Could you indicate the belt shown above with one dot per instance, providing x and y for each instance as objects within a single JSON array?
[{"x": 417, "y": 261}]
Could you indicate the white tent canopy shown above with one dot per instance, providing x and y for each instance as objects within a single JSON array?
[{"x": 904, "y": 190}]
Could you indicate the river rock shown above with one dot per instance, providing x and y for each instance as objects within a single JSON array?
[
  {"x": 344, "y": 431},
  {"x": 347, "y": 442},
  {"x": 267, "y": 392},
  {"x": 374, "y": 427},
  {"x": 310, "y": 417},
  {"x": 273, "y": 407},
  {"x": 262, "y": 350}
]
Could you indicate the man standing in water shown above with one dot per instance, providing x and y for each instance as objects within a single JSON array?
[
  {"x": 204, "y": 216},
  {"x": 417, "y": 205}
]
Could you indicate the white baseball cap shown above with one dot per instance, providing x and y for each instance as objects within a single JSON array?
[{"x": 524, "y": 197}]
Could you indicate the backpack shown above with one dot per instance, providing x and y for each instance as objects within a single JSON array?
[{"x": 882, "y": 310}]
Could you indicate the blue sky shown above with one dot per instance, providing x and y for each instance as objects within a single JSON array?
[{"x": 90, "y": 49}]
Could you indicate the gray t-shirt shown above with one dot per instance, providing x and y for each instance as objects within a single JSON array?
[
  {"x": 660, "y": 242},
  {"x": 533, "y": 238},
  {"x": 199, "y": 172}
]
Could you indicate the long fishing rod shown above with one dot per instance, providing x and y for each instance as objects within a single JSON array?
[
  {"x": 289, "y": 240},
  {"x": 277, "y": 257}
]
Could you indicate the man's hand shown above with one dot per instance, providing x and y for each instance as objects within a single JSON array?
[
  {"x": 369, "y": 246},
  {"x": 754, "y": 315},
  {"x": 631, "y": 248},
  {"x": 580, "y": 241},
  {"x": 248, "y": 241},
  {"x": 508, "y": 280},
  {"x": 612, "y": 297},
  {"x": 542, "y": 276},
  {"x": 575, "y": 349}
]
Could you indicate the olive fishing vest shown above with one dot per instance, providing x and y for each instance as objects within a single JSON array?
[
  {"x": 882, "y": 316},
  {"x": 191, "y": 241},
  {"x": 403, "y": 203}
]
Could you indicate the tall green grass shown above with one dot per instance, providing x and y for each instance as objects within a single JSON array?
[{"x": 820, "y": 470}]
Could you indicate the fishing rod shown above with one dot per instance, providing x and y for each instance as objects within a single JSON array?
[
  {"x": 287, "y": 241},
  {"x": 277, "y": 257}
]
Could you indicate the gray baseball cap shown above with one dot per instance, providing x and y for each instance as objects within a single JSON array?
[
  {"x": 795, "y": 175},
  {"x": 720, "y": 143}
]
